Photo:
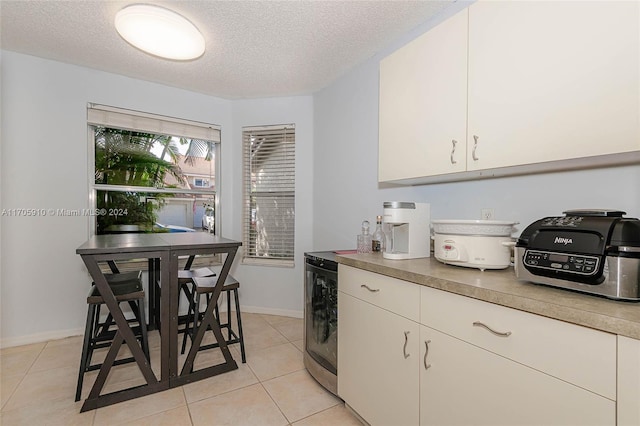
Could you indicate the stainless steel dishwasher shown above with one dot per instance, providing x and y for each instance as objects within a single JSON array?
[{"x": 321, "y": 318}]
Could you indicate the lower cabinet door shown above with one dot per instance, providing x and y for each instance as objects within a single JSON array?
[
  {"x": 378, "y": 356},
  {"x": 628, "y": 381},
  {"x": 462, "y": 384}
]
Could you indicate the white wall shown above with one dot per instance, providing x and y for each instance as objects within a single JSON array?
[
  {"x": 43, "y": 283},
  {"x": 346, "y": 191}
]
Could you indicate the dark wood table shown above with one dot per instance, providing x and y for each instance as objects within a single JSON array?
[{"x": 163, "y": 251}]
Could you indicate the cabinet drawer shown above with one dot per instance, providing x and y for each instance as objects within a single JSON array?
[
  {"x": 400, "y": 297},
  {"x": 493, "y": 390},
  {"x": 579, "y": 355}
]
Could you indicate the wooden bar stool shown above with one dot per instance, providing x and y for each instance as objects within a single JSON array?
[
  {"x": 115, "y": 279},
  {"x": 126, "y": 288},
  {"x": 185, "y": 284},
  {"x": 186, "y": 276},
  {"x": 205, "y": 285},
  {"x": 185, "y": 281}
]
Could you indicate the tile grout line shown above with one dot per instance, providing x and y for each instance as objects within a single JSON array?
[
  {"x": 289, "y": 422},
  {"x": 187, "y": 404},
  {"x": 13, "y": 392},
  {"x": 37, "y": 357},
  {"x": 24, "y": 375},
  {"x": 276, "y": 404},
  {"x": 321, "y": 411}
]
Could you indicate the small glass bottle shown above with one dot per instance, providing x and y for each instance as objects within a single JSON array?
[
  {"x": 364, "y": 239},
  {"x": 378, "y": 238}
]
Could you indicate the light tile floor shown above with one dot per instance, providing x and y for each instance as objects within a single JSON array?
[{"x": 273, "y": 388}]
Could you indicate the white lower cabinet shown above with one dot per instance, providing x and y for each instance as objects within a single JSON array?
[
  {"x": 578, "y": 355},
  {"x": 508, "y": 367},
  {"x": 412, "y": 355},
  {"x": 628, "y": 381},
  {"x": 378, "y": 365},
  {"x": 462, "y": 384}
]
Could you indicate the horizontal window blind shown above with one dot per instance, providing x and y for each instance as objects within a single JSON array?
[
  {"x": 269, "y": 193},
  {"x": 107, "y": 116}
]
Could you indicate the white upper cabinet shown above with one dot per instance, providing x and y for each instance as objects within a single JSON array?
[
  {"x": 423, "y": 101},
  {"x": 539, "y": 85},
  {"x": 552, "y": 81}
]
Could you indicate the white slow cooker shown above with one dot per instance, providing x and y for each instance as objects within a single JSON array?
[{"x": 481, "y": 244}]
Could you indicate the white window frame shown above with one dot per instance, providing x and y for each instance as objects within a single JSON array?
[
  {"x": 120, "y": 118},
  {"x": 278, "y": 182}
]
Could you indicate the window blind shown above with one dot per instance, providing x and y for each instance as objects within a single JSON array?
[
  {"x": 107, "y": 116},
  {"x": 269, "y": 193}
]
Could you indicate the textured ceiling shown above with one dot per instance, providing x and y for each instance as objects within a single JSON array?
[{"x": 254, "y": 48}]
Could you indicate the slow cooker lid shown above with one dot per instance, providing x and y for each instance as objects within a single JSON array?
[
  {"x": 489, "y": 228},
  {"x": 399, "y": 205}
]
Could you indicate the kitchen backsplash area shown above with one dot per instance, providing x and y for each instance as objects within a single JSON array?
[{"x": 521, "y": 199}]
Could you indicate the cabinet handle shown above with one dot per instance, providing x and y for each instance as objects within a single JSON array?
[
  {"x": 406, "y": 340},
  {"x": 497, "y": 333},
  {"x": 372, "y": 290},
  {"x": 426, "y": 352},
  {"x": 475, "y": 146},
  {"x": 453, "y": 150}
]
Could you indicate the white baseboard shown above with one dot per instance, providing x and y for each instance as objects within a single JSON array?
[
  {"x": 61, "y": 334},
  {"x": 272, "y": 311},
  {"x": 40, "y": 337}
]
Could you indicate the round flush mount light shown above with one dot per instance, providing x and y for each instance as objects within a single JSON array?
[{"x": 160, "y": 32}]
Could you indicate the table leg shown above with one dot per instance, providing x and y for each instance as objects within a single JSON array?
[
  {"x": 167, "y": 347},
  {"x": 124, "y": 333},
  {"x": 151, "y": 292},
  {"x": 154, "y": 294}
]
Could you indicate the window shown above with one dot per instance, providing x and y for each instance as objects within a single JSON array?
[
  {"x": 269, "y": 194},
  {"x": 146, "y": 170},
  {"x": 201, "y": 183}
]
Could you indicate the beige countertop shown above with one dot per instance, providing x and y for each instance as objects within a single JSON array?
[{"x": 502, "y": 288}]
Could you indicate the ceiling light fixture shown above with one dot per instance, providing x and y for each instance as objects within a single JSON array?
[{"x": 160, "y": 32}]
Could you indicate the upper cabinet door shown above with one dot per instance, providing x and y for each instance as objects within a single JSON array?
[
  {"x": 423, "y": 97},
  {"x": 552, "y": 81}
]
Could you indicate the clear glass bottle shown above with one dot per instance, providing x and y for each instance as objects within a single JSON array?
[
  {"x": 364, "y": 239},
  {"x": 378, "y": 239}
]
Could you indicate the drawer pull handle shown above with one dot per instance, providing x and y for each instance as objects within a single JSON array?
[
  {"x": 406, "y": 340},
  {"x": 453, "y": 150},
  {"x": 372, "y": 290},
  {"x": 426, "y": 352},
  {"x": 475, "y": 146},
  {"x": 497, "y": 333}
]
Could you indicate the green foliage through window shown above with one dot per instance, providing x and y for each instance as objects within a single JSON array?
[{"x": 139, "y": 161}]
